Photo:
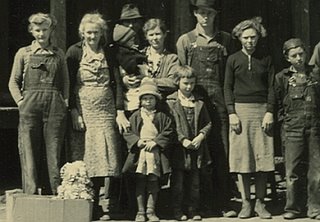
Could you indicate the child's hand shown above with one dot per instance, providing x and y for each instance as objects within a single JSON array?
[
  {"x": 141, "y": 144},
  {"x": 187, "y": 144},
  {"x": 196, "y": 142},
  {"x": 150, "y": 145}
]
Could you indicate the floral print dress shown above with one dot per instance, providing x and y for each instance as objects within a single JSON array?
[{"x": 95, "y": 101}]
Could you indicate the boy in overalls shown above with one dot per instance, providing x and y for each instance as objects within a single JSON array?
[
  {"x": 39, "y": 85},
  {"x": 298, "y": 94}
]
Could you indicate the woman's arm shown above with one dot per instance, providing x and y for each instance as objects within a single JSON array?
[{"x": 229, "y": 85}]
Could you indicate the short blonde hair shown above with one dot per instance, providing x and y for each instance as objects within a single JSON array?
[
  {"x": 95, "y": 18},
  {"x": 40, "y": 18},
  {"x": 254, "y": 23}
]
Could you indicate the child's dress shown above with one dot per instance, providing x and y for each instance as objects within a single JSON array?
[{"x": 149, "y": 161}]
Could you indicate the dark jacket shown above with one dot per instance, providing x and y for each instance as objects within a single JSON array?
[
  {"x": 202, "y": 125},
  {"x": 164, "y": 140},
  {"x": 129, "y": 58},
  {"x": 285, "y": 101},
  {"x": 74, "y": 56}
]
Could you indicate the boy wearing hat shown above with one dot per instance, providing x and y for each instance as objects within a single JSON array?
[
  {"x": 205, "y": 50},
  {"x": 298, "y": 94},
  {"x": 148, "y": 139},
  {"x": 131, "y": 17}
]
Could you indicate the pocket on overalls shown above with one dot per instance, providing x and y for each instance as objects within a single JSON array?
[{"x": 209, "y": 54}]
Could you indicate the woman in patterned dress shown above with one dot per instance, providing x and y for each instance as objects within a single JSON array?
[{"x": 96, "y": 95}]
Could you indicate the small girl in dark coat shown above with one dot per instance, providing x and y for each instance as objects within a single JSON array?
[
  {"x": 193, "y": 125},
  {"x": 150, "y": 135}
]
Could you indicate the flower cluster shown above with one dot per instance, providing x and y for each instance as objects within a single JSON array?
[{"x": 75, "y": 182}]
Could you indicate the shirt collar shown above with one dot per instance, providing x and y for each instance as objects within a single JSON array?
[
  {"x": 186, "y": 101},
  {"x": 199, "y": 31},
  {"x": 35, "y": 46}
]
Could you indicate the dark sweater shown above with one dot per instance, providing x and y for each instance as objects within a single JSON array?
[{"x": 242, "y": 85}]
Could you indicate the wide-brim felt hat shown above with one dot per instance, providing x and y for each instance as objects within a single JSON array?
[
  {"x": 149, "y": 87},
  {"x": 130, "y": 11},
  {"x": 207, "y": 4}
]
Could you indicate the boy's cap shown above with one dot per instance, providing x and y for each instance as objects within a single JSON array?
[
  {"x": 291, "y": 44},
  {"x": 149, "y": 86},
  {"x": 122, "y": 34},
  {"x": 207, "y": 4},
  {"x": 130, "y": 11}
]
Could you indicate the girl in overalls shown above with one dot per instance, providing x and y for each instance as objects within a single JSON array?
[{"x": 39, "y": 84}]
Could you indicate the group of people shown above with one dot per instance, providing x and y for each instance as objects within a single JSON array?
[{"x": 188, "y": 119}]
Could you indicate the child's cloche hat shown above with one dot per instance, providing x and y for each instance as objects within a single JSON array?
[{"x": 149, "y": 86}]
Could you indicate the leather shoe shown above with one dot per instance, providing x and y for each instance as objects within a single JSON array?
[
  {"x": 261, "y": 211},
  {"x": 245, "y": 210},
  {"x": 290, "y": 215},
  {"x": 229, "y": 213}
]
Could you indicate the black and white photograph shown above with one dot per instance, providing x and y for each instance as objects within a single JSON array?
[{"x": 159, "y": 110}]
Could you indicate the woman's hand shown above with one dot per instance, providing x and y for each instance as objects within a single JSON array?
[
  {"x": 235, "y": 123},
  {"x": 150, "y": 145},
  {"x": 267, "y": 122},
  {"x": 77, "y": 120},
  {"x": 196, "y": 142},
  {"x": 122, "y": 121}
]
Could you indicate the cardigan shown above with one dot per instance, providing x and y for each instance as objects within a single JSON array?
[
  {"x": 242, "y": 85},
  {"x": 74, "y": 56}
]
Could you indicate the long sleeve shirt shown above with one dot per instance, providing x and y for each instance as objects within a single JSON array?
[{"x": 20, "y": 65}]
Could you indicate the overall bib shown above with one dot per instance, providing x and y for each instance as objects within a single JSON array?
[
  {"x": 209, "y": 62},
  {"x": 41, "y": 122},
  {"x": 302, "y": 146}
]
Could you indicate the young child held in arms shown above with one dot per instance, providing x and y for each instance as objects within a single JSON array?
[
  {"x": 193, "y": 125},
  {"x": 150, "y": 135}
]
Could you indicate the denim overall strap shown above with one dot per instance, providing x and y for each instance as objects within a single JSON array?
[
  {"x": 43, "y": 72},
  {"x": 42, "y": 114}
]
